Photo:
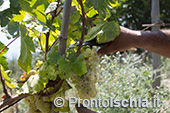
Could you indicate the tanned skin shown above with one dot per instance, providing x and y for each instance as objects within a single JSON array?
[{"x": 154, "y": 41}]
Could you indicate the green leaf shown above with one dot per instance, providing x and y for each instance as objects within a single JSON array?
[
  {"x": 92, "y": 12},
  {"x": 4, "y": 21},
  {"x": 4, "y": 75},
  {"x": 27, "y": 46},
  {"x": 102, "y": 6},
  {"x": 14, "y": 3},
  {"x": 13, "y": 28},
  {"x": 10, "y": 85},
  {"x": 64, "y": 68},
  {"x": 40, "y": 15},
  {"x": 79, "y": 66},
  {"x": 1, "y": 2},
  {"x": 50, "y": 25},
  {"x": 8, "y": 72},
  {"x": 3, "y": 60},
  {"x": 52, "y": 74},
  {"x": 30, "y": 44},
  {"x": 105, "y": 32},
  {"x": 1, "y": 47},
  {"x": 25, "y": 5},
  {"x": 53, "y": 57},
  {"x": 32, "y": 85},
  {"x": 75, "y": 17},
  {"x": 6, "y": 78},
  {"x": 40, "y": 2},
  {"x": 20, "y": 17}
]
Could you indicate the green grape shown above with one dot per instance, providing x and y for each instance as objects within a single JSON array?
[
  {"x": 27, "y": 102},
  {"x": 46, "y": 99},
  {"x": 85, "y": 84}
]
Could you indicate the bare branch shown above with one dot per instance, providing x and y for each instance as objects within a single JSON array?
[
  {"x": 56, "y": 88},
  {"x": 83, "y": 27},
  {"x": 9, "y": 44},
  {"x": 7, "y": 95},
  {"x": 12, "y": 100}
]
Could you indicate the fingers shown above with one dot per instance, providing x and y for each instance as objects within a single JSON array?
[
  {"x": 82, "y": 109},
  {"x": 107, "y": 49},
  {"x": 102, "y": 51}
]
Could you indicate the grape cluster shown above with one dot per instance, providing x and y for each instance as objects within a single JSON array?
[
  {"x": 85, "y": 84},
  {"x": 38, "y": 105}
]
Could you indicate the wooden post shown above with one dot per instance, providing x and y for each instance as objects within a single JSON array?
[
  {"x": 64, "y": 27},
  {"x": 64, "y": 32},
  {"x": 155, "y": 16}
]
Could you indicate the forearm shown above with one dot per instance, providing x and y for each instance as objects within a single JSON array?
[{"x": 155, "y": 41}]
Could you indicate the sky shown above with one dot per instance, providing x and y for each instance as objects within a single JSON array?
[{"x": 14, "y": 48}]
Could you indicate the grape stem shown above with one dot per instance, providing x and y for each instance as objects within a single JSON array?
[{"x": 83, "y": 27}]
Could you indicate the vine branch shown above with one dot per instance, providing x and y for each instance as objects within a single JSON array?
[
  {"x": 8, "y": 102},
  {"x": 9, "y": 44},
  {"x": 3, "y": 84},
  {"x": 83, "y": 27}
]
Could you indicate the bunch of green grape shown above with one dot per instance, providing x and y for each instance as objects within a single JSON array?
[
  {"x": 85, "y": 84},
  {"x": 39, "y": 104}
]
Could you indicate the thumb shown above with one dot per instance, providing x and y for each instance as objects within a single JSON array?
[{"x": 102, "y": 51}]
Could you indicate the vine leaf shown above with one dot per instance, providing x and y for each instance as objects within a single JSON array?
[
  {"x": 105, "y": 32},
  {"x": 52, "y": 74},
  {"x": 13, "y": 29},
  {"x": 75, "y": 17},
  {"x": 27, "y": 46},
  {"x": 6, "y": 78},
  {"x": 102, "y": 6},
  {"x": 64, "y": 69},
  {"x": 32, "y": 85},
  {"x": 3, "y": 61},
  {"x": 20, "y": 17},
  {"x": 79, "y": 66}
]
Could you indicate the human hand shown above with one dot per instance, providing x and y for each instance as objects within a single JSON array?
[{"x": 126, "y": 40}]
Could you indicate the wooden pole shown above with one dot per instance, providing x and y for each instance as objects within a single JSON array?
[
  {"x": 64, "y": 32},
  {"x": 64, "y": 27},
  {"x": 155, "y": 16}
]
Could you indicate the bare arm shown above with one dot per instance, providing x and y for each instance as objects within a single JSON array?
[{"x": 155, "y": 41}]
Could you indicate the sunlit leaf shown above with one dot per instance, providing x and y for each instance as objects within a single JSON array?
[
  {"x": 20, "y": 16},
  {"x": 105, "y": 32},
  {"x": 102, "y": 6},
  {"x": 27, "y": 46}
]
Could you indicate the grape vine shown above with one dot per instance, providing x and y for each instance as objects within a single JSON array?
[{"x": 42, "y": 25}]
